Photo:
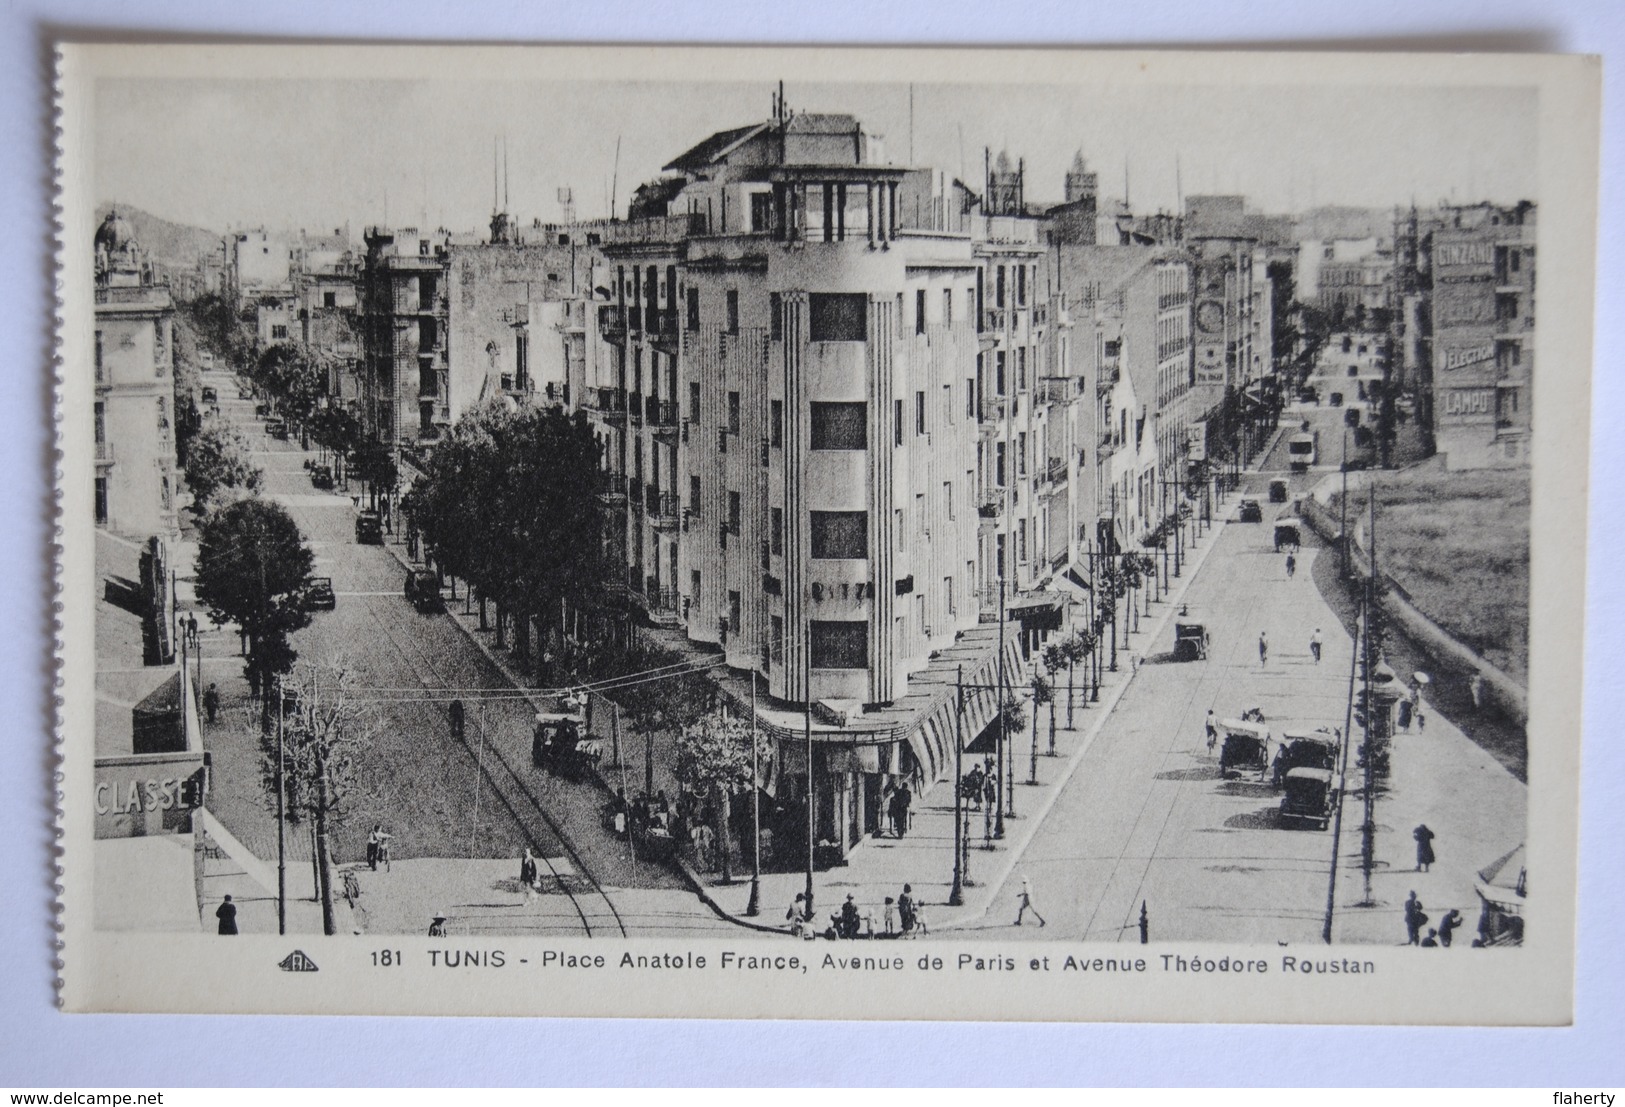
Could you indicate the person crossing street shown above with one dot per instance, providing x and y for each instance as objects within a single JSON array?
[{"x": 1024, "y": 903}]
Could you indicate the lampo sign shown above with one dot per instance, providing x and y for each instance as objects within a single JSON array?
[{"x": 1469, "y": 405}]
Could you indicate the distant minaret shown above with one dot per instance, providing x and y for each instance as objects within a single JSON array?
[{"x": 501, "y": 224}]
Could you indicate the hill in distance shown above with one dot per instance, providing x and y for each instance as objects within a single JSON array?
[{"x": 175, "y": 246}]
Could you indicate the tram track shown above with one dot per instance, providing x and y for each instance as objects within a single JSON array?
[{"x": 515, "y": 794}]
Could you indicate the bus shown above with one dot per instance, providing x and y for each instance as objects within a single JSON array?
[{"x": 1300, "y": 451}]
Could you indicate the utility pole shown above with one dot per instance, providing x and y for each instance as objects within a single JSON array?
[
  {"x": 1004, "y": 779},
  {"x": 1337, "y": 819},
  {"x": 754, "y": 906},
  {"x": 956, "y": 895},
  {"x": 1368, "y": 830},
  {"x": 281, "y": 822},
  {"x": 806, "y": 726}
]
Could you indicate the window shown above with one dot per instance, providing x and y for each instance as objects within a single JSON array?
[
  {"x": 839, "y": 645},
  {"x": 733, "y": 412},
  {"x": 694, "y": 496},
  {"x": 761, "y": 212},
  {"x": 1021, "y": 540},
  {"x": 101, "y": 373},
  {"x": 279, "y": 331},
  {"x": 330, "y": 299},
  {"x": 840, "y": 426},
  {"x": 919, "y": 413},
  {"x": 775, "y": 309},
  {"x": 897, "y": 529},
  {"x": 998, "y": 464},
  {"x": 733, "y": 612},
  {"x": 778, "y": 530},
  {"x": 1021, "y": 453},
  {"x": 693, "y": 309},
  {"x": 948, "y": 498},
  {"x": 694, "y": 401},
  {"x": 948, "y": 594},
  {"x": 1021, "y": 285},
  {"x": 998, "y": 372},
  {"x": 837, "y": 317},
  {"x": 694, "y": 585},
  {"x": 733, "y": 311},
  {"x": 101, "y": 423},
  {"x": 733, "y": 514},
  {"x": 840, "y": 534},
  {"x": 919, "y": 311},
  {"x": 947, "y": 307},
  {"x": 897, "y": 420},
  {"x": 998, "y": 289},
  {"x": 970, "y": 397},
  {"x": 101, "y": 501}
]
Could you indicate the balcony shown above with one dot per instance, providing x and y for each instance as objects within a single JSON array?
[
  {"x": 1057, "y": 390},
  {"x": 1055, "y": 472},
  {"x": 104, "y": 453},
  {"x": 993, "y": 320},
  {"x": 664, "y": 508},
  {"x": 661, "y": 326},
  {"x": 634, "y": 492},
  {"x": 1107, "y": 447},
  {"x": 612, "y": 324},
  {"x": 610, "y": 404},
  {"x": 612, "y": 487},
  {"x": 662, "y": 416},
  {"x": 634, "y": 409},
  {"x": 1110, "y": 374},
  {"x": 991, "y": 507}
]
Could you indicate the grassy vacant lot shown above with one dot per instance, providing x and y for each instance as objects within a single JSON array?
[{"x": 1458, "y": 544}]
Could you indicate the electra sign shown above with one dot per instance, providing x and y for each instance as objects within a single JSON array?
[{"x": 1460, "y": 356}]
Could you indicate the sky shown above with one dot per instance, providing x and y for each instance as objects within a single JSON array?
[{"x": 319, "y": 153}]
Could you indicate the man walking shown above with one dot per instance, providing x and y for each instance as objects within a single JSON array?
[
  {"x": 1212, "y": 730},
  {"x": 1314, "y": 645},
  {"x": 1424, "y": 847},
  {"x": 227, "y": 914},
  {"x": 211, "y": 702},
  {"x": 1024, "y": 903},
  {"x": 1414, "y": 918},
  {"x": 1263, "y": 647},
  {"x": 1291, "y": 566}
]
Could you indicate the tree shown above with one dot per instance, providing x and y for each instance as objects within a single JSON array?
[
  {"x": 252, "y": 564},
  {"x": 324, "y": 742},
  {"x": 217, "y": 460},
  {"x": 375, "y": 466},
  {"x": 1043, "y": 693},
  {"x": 714, "y": 757},
  {"x": 651, "y": 706}
]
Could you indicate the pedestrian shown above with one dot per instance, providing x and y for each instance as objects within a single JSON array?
[
  {"x": 1415, "y": 917},
  {"x": 191, "y": 628},
  {"x": 1024, "y": 903},
  {"x": 374, "y": 839},
  {"x": 1314, "y": 645},
  {"x": 850, "y": 919},
  {"x": 1424, "y": 847},
  {"x": 796, "y": 916},
  {"x": 1421, "y": 718},
  {"x": 437, "y": 926},
  {"x": 1432, "y": 940},
  {"x": 1475, "y": 688},
  {"x": 990, "y": 790},
  {"x": 527, "y": 872},
  {"x": 920, "y": 926},
  {"x": 211, "y": 702},
  {"x": 227, "y": 914},
  {"x": 1263, "y": 647},
  {"x": 904, "y": 799},
  {"x": 905, "y": 908},
  {"x": 1212, "y": 730},
  {"x": 1291, "y": 566},
  {"x": 703, "y": 837},
  {"x": 890, "y": 914},
  {"x": 1447, "y": 926}
]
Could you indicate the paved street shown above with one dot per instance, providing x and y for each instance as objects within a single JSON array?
[
  {"x": 413, "y": 667},
  {"x": 1148, "y": 819}
]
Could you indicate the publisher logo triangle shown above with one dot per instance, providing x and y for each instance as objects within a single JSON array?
[{"x": 297, "y": 962}]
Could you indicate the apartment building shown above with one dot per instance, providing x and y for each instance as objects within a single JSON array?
[
  {"x": 136, "y": 481},
  {"x": 404, "y": 387}
]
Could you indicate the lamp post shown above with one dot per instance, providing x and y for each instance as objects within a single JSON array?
[
  {"x": 956, "y": 895},
  {"x": 1003, "y": 779},
  {"x": 806, "y": 724},
  {"x": 754, "y": 907}
]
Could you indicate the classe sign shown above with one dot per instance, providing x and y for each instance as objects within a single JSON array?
[{"x": 147, "y": 794}]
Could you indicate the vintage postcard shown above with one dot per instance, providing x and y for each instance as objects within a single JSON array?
[{"x": 829, "y": 533}]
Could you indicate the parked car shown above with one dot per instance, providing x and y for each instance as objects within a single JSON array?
[
  {"x": 277, "y": 427},
  {"x": 1311, "y": 797},
  {"x": 321, "y": 476},
  {"x": 1246, "y": 746},
  {"x": 369, "y": 529},
  {"x": 210, "y": 395},
  {"x": 1249, "y": 511},
  {"x": 423, "y": 591},
  {"x": 318, "y": 594}
]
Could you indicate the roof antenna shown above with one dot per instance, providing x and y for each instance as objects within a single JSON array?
[
  {"x": 504, "y": 172},
  {"x": 496, "y": 163},
  {"x": 615, "y": 181}
]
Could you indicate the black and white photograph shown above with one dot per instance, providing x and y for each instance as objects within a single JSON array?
[{"x": 713, "y": 531}]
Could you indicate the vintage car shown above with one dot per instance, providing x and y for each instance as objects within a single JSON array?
[
  {"x": 1278, "y": 490},
  {"x": 1307, "y": 749},
  {"x": 1246, "y": 746},
  {"x": 318, "y": 594},
  {"x": 560, "y": 745},
  {"x": 1310, "y": 797},
  {"x": 1288, "y": 536},
  {"x": 1249, "y": 511},
  {"x": 1191, "y": 639},
  {"x": 276, "y": 427},
  {"x": 369, "y": 529},
  {"x": 423, "y": 591},
  {"x": 321, "y": 476},
  {"x": 210, "y": 395}
]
